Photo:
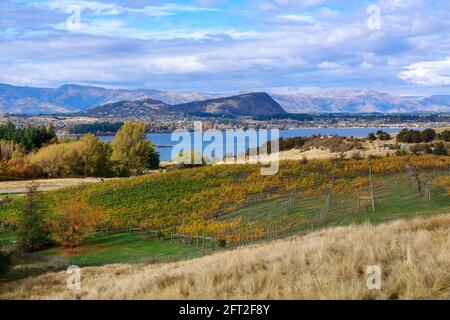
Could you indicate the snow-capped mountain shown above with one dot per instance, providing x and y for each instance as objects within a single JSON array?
[
  {"x": 74, "y": 98},
  {"x": 358, "y": 101}
]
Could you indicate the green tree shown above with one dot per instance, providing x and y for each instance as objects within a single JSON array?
[
  {"x": 132, "y": 150},
  {"x": 93, "y": 154},
  {"x": 33, "y": 232},
  {"x": 372, "y": 136},
  {"x": 440, "y": 150},
  {"x": 409, "y": 136},
  {"x": 428, "y": 135},
  {"x": 74, "y": 222},
  {"x": 5, "y": 261},
  {"x": 445, "y": 135},
  {"x": 30, "y": 138}
]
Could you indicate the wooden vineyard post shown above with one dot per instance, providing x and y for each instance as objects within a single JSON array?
[
  {"x": 326, "y": 208},
  {"x": 197, "y": 240},
  {"x": 358, "y": 202},
  {"x": 204, "y": 239},
  {"x": 372, "y": 191},
  {"x": 427, "y": 193},
  {"x": 417, "y": 182},
  {"x": 212, "y": 243}
]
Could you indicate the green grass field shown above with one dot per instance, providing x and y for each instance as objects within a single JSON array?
[
  {"x": 101, "y": 249},
  {"x": 125, "y": 247}
]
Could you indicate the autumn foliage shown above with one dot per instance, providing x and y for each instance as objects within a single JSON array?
[{"x": 73, "y": 222}]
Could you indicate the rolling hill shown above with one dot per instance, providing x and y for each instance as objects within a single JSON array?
[
  {"x": 126, "y": 109},
  {"x": 250, "y": 104}
]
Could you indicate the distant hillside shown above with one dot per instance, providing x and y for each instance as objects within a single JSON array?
[
  {"x": 251, "y": 104},
  {"x": 124, "y": 109}
]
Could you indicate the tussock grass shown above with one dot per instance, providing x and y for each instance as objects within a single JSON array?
[{"x": 329, "y": 264}]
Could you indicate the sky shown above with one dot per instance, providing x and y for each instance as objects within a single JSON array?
[{"x": 219, "y": 46}]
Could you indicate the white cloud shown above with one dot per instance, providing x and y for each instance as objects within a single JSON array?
[
  {"x": 429, "y": 73},
  {"x": 329, "y": 65},
  {"x": 297, "y": 18},
  {"x": 100, "y": 8},
  {"x": 93, "y": 6}
]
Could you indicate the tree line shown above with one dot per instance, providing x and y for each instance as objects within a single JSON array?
[
  {"x": 30, "y": 138},
  {"x": 427, "y": 135},
  {"x": 96, "y": 128}
]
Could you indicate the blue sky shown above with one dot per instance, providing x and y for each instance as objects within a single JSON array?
[{"x": 223, "y": 46}]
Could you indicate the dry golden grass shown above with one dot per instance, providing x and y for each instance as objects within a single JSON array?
[
  {"x": 330, "y": 264},
  {"x": 20, "y": 187}
]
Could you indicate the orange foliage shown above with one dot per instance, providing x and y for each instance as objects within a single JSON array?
[{"x": 74, "y": 222}]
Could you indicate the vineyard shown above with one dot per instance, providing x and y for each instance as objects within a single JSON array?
[{"x": 236, "y": 204}]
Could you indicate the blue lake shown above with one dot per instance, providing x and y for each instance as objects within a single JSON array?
[{"x": 164, "y": 144}]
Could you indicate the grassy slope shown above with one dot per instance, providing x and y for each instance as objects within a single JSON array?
[{"x": 330, "y": 264}]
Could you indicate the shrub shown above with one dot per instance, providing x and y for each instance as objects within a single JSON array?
[
  {"x": 5, "y": 261},
  {"x": 383, "y": 135},
  {"x": 440, "y": 150},
  {"x": 421, "y": 149},
  {"x": 428, "y": 135},
  {"x": 222, "y": 243},
  {"x": 409, "y": 136},
  {"x": 86, "y": 156},
  {"x": 445, "y": 136},
  {"x": 357, "y": 156}
]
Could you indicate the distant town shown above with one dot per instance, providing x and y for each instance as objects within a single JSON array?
[{"x": 68, "y": 124}]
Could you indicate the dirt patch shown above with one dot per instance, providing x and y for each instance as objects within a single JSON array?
[{"x": 19, "y": 187}]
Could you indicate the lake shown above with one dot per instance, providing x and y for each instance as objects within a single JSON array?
[{"x": 164, "y": 144}]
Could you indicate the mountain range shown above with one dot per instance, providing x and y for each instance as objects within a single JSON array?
[
  {"x": 75, "y": 98},
  {"x": 359, "y": 101}
]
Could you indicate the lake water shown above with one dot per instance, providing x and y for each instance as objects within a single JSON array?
[{"x": 164, "y": 144}]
